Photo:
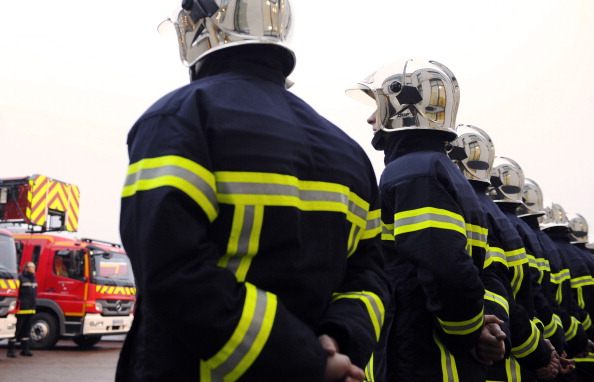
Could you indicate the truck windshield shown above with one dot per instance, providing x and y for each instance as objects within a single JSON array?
[
  {"x": 8, "y": 266},
  {"x": 111, "y": 268}
]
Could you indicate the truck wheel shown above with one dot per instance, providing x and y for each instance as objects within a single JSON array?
[
  {"x": 86, "y": 342},
  {"x": 44, "y": 331}
]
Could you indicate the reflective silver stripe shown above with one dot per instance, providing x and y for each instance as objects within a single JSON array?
[
  {"x": 581, "y": 281},
  {"x": 514, "y": 256},
  {"x": 532, "y": 261},
  {"x": 561, "y": 276},
  {"x": 543, "y": 264},
  {"x": 513, "y": 369},
  {"x": 354, "y": 240},
  {"x": 496, "y": 255},
  {"x": 528, "y": 347},
  {"x": 377, "y": 311},
  {"x": 373, "y": 224},
  {"x": 244, "y": 239},
  {"x": 498, "y": 299},
  {"x": 448, "y": 362},
  {"x": 273, "y": 189},
  {"x": 402, "y": 222},
  {"x": 176, "y": 171},
  {"x": 462, "y": 327},
  {"x": 246, "y": 342},
  {"x": 29, "y": 284},
  {"x": 477, "y": 235}
]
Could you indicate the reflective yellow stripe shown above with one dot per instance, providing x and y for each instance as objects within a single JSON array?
[
  {"x": 374, "y": 225},
  {"x": 516, "y": 257},
  {"x": 253, "y": 188},
  {"x": 517, "y": 279},
  {"x": 387, "y": 232},
  {"x": 512, "y": 369},
  {"x": 495, "y": 255},
  {"x": 26, "y": 311},
  {"x": 583, "y": 281},
  {"x": 174, "y": 171},
  {"x": 428, "y": 217},
  {"x": 529, "y": 345},
  {"x": 588, "y": 358},
  {"x": 244, "y": 240},
  {"x": 373, "y": 303},
  {"x": 449, "y": 369},
  {"x": 532, "y": 261},
  {"x": 587, "y": 323},
  {"x": 246, "y": 342},
  {"x": 497, "y": 299},
  {"x": 477, "y": 236},
  {"x": 559, "y": 294},
  {"x": 559, "y": 277},
  {"x": 573, "y": 329},
  {"x": 369, "y": 372},
  {"x": 580, "y": 298},
  {"x": 551, "y": 328},
  {"x": 461, "y": 328}
]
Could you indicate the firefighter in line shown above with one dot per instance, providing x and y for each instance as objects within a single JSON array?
[
  {"x": 579, "y": 233},
  {"x": 434, "y": 230},
  {"x": 252, "y": 222},
  {"x": 27, "y": 306},
  {"x": 474, "y": 153}
]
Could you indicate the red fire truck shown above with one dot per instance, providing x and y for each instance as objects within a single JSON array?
[
  {"x": 8, "y": 285},
  {"x": 85, "y": 287}
]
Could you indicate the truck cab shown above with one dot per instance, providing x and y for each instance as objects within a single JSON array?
[
  {"x": 8, "y": 285},
  {"x": 85, "y": 289}
]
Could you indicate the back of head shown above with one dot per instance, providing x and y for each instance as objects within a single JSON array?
[
  {"x": 473, "y": 152},
  {"x": 412, "y": 94},
  {"x": 207, "y": 26}
]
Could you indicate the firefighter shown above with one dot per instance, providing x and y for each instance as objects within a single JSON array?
[
  {"x": 28, "y": 304},
  {"x": 252, "y": 223},
  {"x": 434, "y": 230},
  {"x": 474, "y": 153}
]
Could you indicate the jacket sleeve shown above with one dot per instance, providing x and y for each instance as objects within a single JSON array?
[
  {"x": 357, "y": 310},
  {"x": 238, "y": 331},
  {"x": 430, "y": 232}
]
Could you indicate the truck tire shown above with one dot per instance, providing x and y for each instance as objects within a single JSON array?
[
  {"x": 86, "y": 342},
  {"x": 44, "y": 331}
]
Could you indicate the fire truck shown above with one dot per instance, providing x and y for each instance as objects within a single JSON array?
[
  {"x": 85, "y": 286},
  {"x": 8, "y": 285}
]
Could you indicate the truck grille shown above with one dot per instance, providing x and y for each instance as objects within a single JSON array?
[{"x": 116, "y": 307}]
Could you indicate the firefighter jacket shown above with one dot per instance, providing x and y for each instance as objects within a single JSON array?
[
  {"x": 574, "y": 273},
  {"x": 253, "y": 226},
  {"x": 436, "y": 231},
  {"x": 27, "y": 293},
  {"x": 507, "y": 255},
  {"x": 544, "y": 303},
  {"x": 560, "y": 289},
  {"x": 587, "y": 287}
]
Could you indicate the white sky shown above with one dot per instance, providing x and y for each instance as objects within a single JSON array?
[{"x": 75, "y": 75}]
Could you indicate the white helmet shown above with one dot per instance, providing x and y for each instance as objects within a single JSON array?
[
  {"x": 473, "y": 152},
  {"x": 579, "y": 228},
  {"x": 412, "y": 94},
  {"x": 532, "y": 199},
  {"x": 507, "y": 181},
  {"x": 206, "y": 26}
]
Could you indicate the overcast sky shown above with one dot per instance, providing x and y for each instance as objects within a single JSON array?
[{"x": 75, "y": 75}]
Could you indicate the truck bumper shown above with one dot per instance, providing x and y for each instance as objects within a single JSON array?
[
  {"x": 96, "y": 324},
  {"x": 7, "y": 326}
]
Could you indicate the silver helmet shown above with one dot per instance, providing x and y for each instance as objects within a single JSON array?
[
  {"x": 532, "y": 199},
  {"x": 412, "y": 94},
  {"x": 507, "y": 181},
  {"x": 579, "y": 228},
  {"x": 554, "y": 216},
  {"x": 206, "y": 26},
  {"x": 473, "y": 152}
]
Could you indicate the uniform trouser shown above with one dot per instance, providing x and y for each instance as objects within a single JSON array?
[{"x": 23, "y": 327}]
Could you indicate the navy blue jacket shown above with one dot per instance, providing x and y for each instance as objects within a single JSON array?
[
  {"x": 253, "y": 227},
  {"x": 436, "y": 235}
]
